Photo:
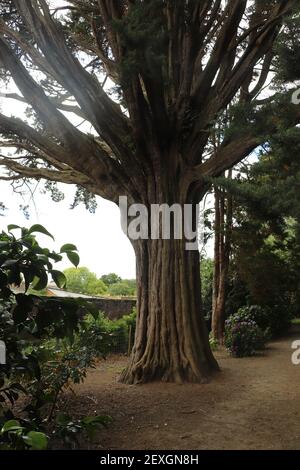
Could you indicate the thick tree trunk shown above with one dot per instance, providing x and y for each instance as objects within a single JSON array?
[{"x": 171, "y": 342}]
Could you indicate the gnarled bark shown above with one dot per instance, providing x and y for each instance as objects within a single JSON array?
[{"x": 171, "y": 342}]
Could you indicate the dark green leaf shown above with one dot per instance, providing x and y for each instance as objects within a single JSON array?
[
  {"x": 10, "y": 262},
  {"x": 37, "y": 440},
  {"x": 40, "y": 229},
  {"x": 12, "y": 227},
  {"x": 40, "y": 282},
  {"x": 74, "y": 258},
  {"x": 11, "y": 425},
  {"x": 59, "y": 278},
  {"x": 68, "y": 247}
]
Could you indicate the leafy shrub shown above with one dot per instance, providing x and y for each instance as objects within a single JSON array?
[
  {"x": 213, "y": 342},
  {"x": 206, "y": 271},
  {"x": 83, "y": 281},
  {"x": 69, "y": 430},
  {"x": 243, "y": 337},
  {"x": 110, "y": 279},
  {"x": 15, "y": 436},
  {"x": 27, "y": 324},
  {"x": 273, "y": 320},
  {"x": 126, "y": 288},
  {"x": 105, "y": 336}
]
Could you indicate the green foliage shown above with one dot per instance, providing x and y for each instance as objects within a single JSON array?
[
  {"x": 69, "y": 430},
  {"x": 213, "y": 342},
  {"x": 83, "y": 281},
  {"x": 243, "y": 337},
  {"x": 287, "y": 48},
  {"x": 207, "y": 274},
  {"x": 34, "y": 367},
  {"x": 126, "y": 288},
  {"x": 237, "y": 292},
  {"x": 82, "y": 196},
  {"x": 110, "y": 279},
  {"x": 144, "y": 39},
  {"x": 266, "y": 235},
  {"x": 105, "y": 336},
  {"x": 268, "y": 266},
  {"x": 22, "y": 259},
  {"x": 15, "y": 436},
  {"x": 272, "y": 321}
]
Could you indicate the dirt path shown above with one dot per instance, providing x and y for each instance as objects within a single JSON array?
[{"x": 254, "y": 403}]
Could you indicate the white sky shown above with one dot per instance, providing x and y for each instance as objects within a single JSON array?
[{"x": 102, "y": 245}]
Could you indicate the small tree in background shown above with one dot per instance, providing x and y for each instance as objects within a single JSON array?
[
  {"x": 83, "y": 281},
  {"x": 110, "y": 279},
  {"x": 126, "y": 287}
]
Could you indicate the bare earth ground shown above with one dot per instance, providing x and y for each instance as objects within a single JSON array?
[{"x": 253, "y": 403}]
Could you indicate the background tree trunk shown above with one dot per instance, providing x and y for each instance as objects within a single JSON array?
[
  {"x": 218, "y": 281},
  {"x": 223, "y": 229}
]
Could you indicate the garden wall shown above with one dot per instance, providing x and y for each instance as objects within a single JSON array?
[{"x": 115, "y": 308}]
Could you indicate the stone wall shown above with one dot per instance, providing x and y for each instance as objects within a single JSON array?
[{"x": 114, "y": 308}]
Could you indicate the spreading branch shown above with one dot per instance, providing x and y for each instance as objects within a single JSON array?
[{"x": 208, "y": 56}]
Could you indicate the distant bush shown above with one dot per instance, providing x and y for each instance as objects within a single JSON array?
[
  {"x": 126, "y": 287},
  {"x": 110, "y": 279},
  {"x": 83, "y": 281},
  {"x": 243, "y": 337}
]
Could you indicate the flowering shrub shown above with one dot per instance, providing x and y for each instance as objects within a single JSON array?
[
  {"x": 273, "y": 320},
  {"x": 243, "y": 337},
  {"x": 259, "y": 315}
]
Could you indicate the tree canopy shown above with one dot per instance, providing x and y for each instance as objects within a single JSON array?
[
  {"x": 110, "y": 279},
  {"x": 172, "y": 66},
  {"x": 83, "y": 281}
]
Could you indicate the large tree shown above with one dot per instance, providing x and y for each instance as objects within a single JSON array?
[
  {"x": 266, "y": 234},
  {"x": 176, "y": 66}
]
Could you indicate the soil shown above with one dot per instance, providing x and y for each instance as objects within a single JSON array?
[{"x": 253, "y": 403}]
